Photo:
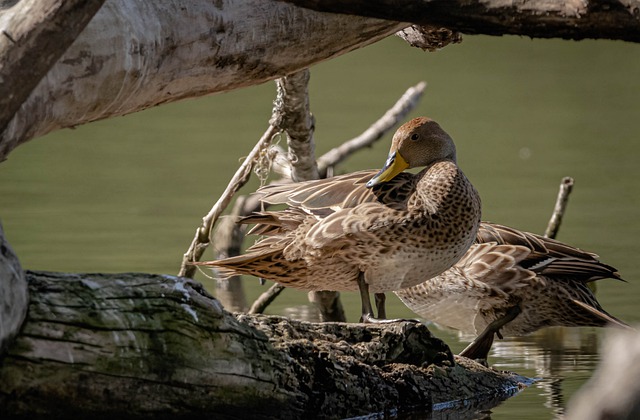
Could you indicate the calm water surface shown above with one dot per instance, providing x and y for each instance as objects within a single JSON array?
[{"x": 127, "y": 194}]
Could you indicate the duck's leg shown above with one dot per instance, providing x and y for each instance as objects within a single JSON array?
[
  {"x": 380, "y": 300},
  {"x": 479, "y": 348},
  {"x": 367, "y": 310}
]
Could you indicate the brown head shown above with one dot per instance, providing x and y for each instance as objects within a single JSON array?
[{"x": 419, "y": 142}]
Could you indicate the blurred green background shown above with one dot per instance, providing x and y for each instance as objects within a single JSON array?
[{"x": 126, "y": 194}]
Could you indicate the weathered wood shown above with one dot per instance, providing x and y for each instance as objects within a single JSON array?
[
  {"x": 14, "y": 295},
  {"x": 135, "y": 55},
  {"x": 141, "y": 346},
  {"x": 34, "y": 35},
  {"x": 613, "y": 392},
  {"x": 574, "y": 19}
]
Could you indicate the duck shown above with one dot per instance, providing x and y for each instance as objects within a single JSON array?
[
  {"x": 368, "y": 231},
  {"x": 512, "y": 283}
]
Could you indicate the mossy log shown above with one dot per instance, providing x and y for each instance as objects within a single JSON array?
[{"x": 141, "y": 345}]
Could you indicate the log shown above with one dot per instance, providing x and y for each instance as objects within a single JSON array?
[
  {"x": 14, "y": 295},
  {"x": 140, "y": 346},
  {"x": 136, "y": 55},
  {"x": 574, "y": 19}
]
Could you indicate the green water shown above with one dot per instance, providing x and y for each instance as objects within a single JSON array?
[{"x": 127, "y": 194}]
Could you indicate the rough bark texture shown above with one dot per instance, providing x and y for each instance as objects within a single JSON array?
[
  {"x": 135, "y": 55},
  {"x": 14, "y": 295},
  {"x": 573, "y": 19},
  {"x": 140, "y": 345},
  {"x": 32, "y": 41}
]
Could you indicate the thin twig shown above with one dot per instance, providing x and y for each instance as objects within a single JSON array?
[
  {"x": 266, "y": 298},
  {"x": 376, "y": 131},
  {"x": 201, "y": 239},
  {"x": 561, "y": 205}
]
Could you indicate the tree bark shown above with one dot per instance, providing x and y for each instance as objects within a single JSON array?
[
  {"x": 136, "y": 55},
  {"x": 32, "y": 41},
  {"x": 574, "y": 19},
  {"x": 14, "y": 295},
  {"x": 141, "y": 346}
]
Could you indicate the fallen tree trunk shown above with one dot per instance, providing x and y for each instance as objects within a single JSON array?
[{"x": 141, "y": 345}]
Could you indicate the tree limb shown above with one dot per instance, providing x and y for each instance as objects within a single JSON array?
[
  {"x": 376, "y": 131},
  {"x": 34, "y": 34},
  {"x": 201, "y": 239},
  {"x": 136, "y": 55},
  {"x": 573, "y": 19},
  {"x": 298, "y": 124}
]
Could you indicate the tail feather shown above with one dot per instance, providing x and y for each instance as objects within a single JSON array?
[{"x": 602, "y": 315}]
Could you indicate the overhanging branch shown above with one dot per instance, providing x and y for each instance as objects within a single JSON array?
[{"x": 574, "y": 19}]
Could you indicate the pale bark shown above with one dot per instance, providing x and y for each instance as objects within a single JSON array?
[
  {"x": 202, "y": 237},
  {"x": 136, "y": 55},
  {"x": 140, "y": 345},
  {"x": 31, "y": 42},
  {"x": 573, "y": 19},
  {"x": 14, "y": 295},
  {"x": 560, "y": 207},
  {"x": 613, "y": 392},
  {"x": 298, "y": 124}
]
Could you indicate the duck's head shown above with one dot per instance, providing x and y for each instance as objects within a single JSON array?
[{"x": 419, "y": 142}]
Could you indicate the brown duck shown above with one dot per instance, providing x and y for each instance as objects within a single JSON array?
[
  {"x": 513, "y": 283},
  {"x": 366, "y": 231}
]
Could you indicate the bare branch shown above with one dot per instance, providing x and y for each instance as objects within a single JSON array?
[
  {"x": 376, "y": 131},
  {"x": 201, "y": 239},
  {"x": 266, "y": 298},
  {"x": 561, "y": 205},
  {"x": 298, "y": 123},
  {"x": 573, "y": 19}
]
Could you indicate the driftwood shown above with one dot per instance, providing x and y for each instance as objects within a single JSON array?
[{"x": 141, "y": 345}]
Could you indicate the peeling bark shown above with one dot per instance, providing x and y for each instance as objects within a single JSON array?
[{"x": 141, "y": 346}]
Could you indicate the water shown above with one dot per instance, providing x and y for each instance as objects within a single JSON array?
[{"x": 126, "y": 194}]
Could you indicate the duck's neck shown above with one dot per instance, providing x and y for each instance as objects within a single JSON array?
[{"x": 443, "y": 188}]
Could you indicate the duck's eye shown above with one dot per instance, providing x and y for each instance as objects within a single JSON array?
[{"x": 415, "y": 136}]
